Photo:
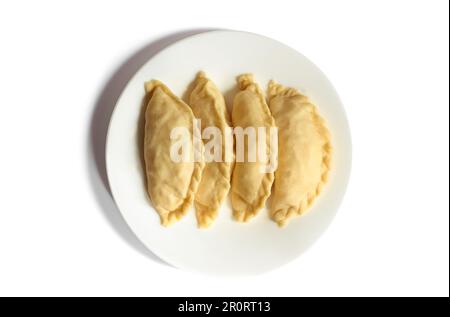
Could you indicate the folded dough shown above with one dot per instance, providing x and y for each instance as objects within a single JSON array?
[
  {"x": 208, "y": 105},
  {"x": 171, "y": 185},
  {"x": 304, "y": 153},
  {"x": 250, "y": 187}
]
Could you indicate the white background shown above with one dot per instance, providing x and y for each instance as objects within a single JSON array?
[{"x": 63, "y": 64}]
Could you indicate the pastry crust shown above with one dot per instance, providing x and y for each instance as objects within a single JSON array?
[
  {"x": 171, "y": 186},
  {"x": 250, "y": 187},
  {"x": 304, "y": 153},
  {"x": 208, "y": 105}
]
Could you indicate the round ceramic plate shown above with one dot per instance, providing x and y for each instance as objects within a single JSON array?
[{"x": 228, "y": 247}]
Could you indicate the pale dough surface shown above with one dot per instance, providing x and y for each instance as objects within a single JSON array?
[
  {"x": 208, "y": 105},
  {"x": 250, "y": 188},
  {"x": 171, "y": 186},
  {"x": 304, "y": 153}
]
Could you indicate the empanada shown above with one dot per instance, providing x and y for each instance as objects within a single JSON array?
[
  {"x": 250, "y": 186},
  {"x": 171, "y": 185},
  {"x": 208, "y": 105},
  {"x": 304, "y": 153}
]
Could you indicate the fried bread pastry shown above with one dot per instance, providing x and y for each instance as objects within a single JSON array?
[
  {"x": 208, "y": 105},
  {"x": 171, "y": 185},
  {"x": 250, "y": 187},
  {"x": 304, "y": 153}
]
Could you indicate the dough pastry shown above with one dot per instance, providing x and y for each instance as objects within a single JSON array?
[
  {"x": 208, "y": 105},
  {"x": 171, "y": 185},
  {"x": 250, "y": 187},
  {"x": 304, "y": 153}
]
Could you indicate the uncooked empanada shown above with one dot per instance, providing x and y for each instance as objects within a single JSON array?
[
  {"x": 171, "y": 185},
  {"x": 304, "y": 153},
  {"x": 208, "y": 105},
  {"x": 250, "y": 186}
]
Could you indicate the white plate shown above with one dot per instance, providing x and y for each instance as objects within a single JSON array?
[{"x": 228, "y": 248}]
